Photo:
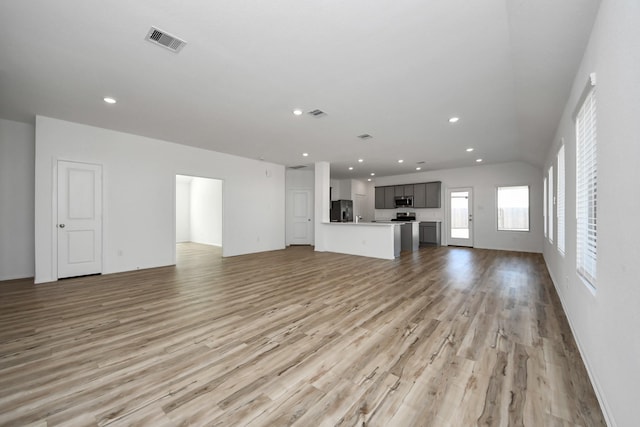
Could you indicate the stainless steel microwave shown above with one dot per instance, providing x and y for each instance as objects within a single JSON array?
[{"x": 404, "y": 202}]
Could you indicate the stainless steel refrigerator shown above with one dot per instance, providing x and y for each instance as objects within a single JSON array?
[{"x": 342, "y": 211}]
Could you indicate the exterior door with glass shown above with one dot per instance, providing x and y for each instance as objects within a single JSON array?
[{"x": 460, "y": 227}]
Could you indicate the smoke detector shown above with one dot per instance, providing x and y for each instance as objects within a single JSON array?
[{"x": 164, "y": 39}]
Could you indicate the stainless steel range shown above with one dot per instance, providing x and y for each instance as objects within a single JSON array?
[{"x": 404, "y": 216}]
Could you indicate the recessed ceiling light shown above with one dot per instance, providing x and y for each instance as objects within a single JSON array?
[
  {"x": 360, "y": 160},
  {"x": 369, "y": 179},
  {"x": 418, "y": 168},
  {"x": 350, "y": 168},
  {"x": 297, "y": 112},
  {"x": 305, "y": 154},
  {"x": 478, "y": 160},
  {"x": 373, "y": 174},
  {"x": 469, "y": 150},
  {"x": 454, "y": 119},
  {"x": 109, "y": 100},
  {"x": 400, "y": 161}
]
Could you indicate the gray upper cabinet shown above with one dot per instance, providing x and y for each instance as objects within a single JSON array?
[
  {"x": 433, "y": 194},
  {"x": 389, "y": 198},
  {"x": 420, "y": 196},
  {"x": 380, "y": 198},
  {"x": 425, "y": 195}
]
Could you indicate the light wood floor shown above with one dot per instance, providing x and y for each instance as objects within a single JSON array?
[{"x": 441, "y": 337}]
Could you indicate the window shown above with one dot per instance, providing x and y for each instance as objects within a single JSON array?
[
  {"x": 544, "y": 207},
  {"x": 560, "y": 199},
  {"x": 586, "y": 188},
  {"x": 513, "y": 208},
  {"x": 550, "y": 204}
]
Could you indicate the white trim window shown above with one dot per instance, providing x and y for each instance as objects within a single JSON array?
[
  {"x": 560, "y": 200},
  {"x": 544, "y": 207},
  {"x": 586, "y": 188},
  {"x": 550, "y": 204},
  {"x": 513, "y": 208}
]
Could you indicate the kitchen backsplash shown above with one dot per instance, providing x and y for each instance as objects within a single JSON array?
[{"x": 421, "y": 214}]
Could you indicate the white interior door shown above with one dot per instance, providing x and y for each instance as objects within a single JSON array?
[
  {"x": 79, "y": 221},
  {"x": 460, "y": 224},
  {"x": 301, "y": 217}
]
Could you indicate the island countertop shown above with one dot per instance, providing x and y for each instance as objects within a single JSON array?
[
  {"x": 374, "y": 223},
  {"x": 379, "y": 239}
]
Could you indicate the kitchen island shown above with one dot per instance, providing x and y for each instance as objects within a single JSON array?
[{"x": 372, "y": 239}]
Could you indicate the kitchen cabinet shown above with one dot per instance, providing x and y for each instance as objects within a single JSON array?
[
  {"x": 430, "y": 233},
  {"x": 385, "y": 197},
  {"x": 425, "y": 195},
  {"x": 420, "y": 195},
  {"x": 380, "y": 198},
  {"x": 433, "y": 194},
  {"x": 389, "y": 198}
]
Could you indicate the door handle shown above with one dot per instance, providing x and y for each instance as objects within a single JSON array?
[{"x": 61, "y": 225}]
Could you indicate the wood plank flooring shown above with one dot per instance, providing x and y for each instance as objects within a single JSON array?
[{"x": 439, "y": 337}]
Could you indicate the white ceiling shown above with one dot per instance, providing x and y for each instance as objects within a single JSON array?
[{"x": 394, "y": 69}]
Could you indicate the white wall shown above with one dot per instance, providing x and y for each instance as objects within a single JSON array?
[
  {"x": 206, "y": 211},
  {"x": 17, "y": 142},
  {"x": 139, "y": 195},
  {"x": 340, "y": 189},
  {"x": 322, "y": 173},
  {"x": 606, "y": 323},
  {"x": 484, "y": 180},
  {"x": 354, "y": 189},
  {"x": 183, "y": 208},
  {"x": 363, "y": 196}
]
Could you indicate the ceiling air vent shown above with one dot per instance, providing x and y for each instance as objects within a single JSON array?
[
  {"x": 298, "y": 167},
  {"x": 365, "y": 136},
  {"x": 317, "y": 113},
  {"x": 164, "y": 39}
]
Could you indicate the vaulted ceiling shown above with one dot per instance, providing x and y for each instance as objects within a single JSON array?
[{"x": 397, "y": 70}]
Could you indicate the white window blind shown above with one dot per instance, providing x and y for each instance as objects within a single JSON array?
[
  {"x": 550, "y": 205},
  {"x": 586, "y": 188},
  {"x": 560, "y": 199},
  {"x": 544, "y": 208},
  {"x": 513, "y": 208}
]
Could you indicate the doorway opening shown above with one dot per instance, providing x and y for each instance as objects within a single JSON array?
[{"x": 198, "y": 217}]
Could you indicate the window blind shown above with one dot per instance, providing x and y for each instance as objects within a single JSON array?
[
  {"x": 586, "y": 188},
  {"x": 544, "y": 207},
  {"x": 550, "y": 204},
  {"x": 560, "y": 200}
]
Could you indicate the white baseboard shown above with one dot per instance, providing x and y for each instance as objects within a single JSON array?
[{"x": 606, "y": 411}]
